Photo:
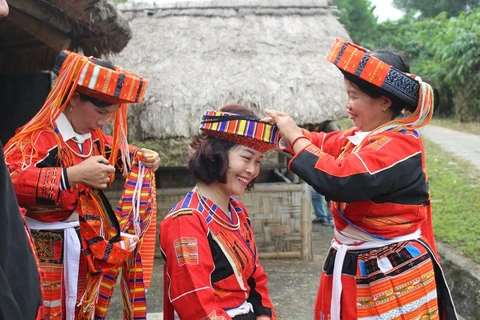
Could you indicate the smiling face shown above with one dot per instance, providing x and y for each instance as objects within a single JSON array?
[
  {"x": 367, "y": 113},
  {"x": 243, "y": 166},
  {"x": 85, "y": 117}
]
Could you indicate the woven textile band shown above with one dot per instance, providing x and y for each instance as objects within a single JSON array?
[
  {"x": 129, "y": 254},
  {"x": 242, "y": 130},
  {"x": 357, "y": 61},
  {"x": 114, "y": 86}
]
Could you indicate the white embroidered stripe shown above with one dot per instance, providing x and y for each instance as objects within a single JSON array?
[
  {"x": 390, "y": 166},
  {"x": 93, "y": 79},
  {"x": 184, "y": 294},
  {"x": 63, "y": 183}
]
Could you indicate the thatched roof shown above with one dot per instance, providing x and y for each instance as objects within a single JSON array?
[
  {"x": 36, "y": 30},
  {"x": 203, "y": 55}
]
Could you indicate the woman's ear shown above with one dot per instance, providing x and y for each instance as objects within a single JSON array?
[
  {"x": 73, "y": 100},
  {"x": 386, "y": 103}
]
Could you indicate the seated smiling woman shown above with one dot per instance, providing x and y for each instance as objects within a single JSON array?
[{"x": 212, "y": 269}]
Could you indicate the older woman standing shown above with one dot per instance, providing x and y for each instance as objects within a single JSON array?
[
  {"x": 383, "y": 263},
  {"x": 59, "y": 163}
]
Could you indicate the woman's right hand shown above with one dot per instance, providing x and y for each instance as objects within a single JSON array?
[
  {"x": 288, "y": 128},
  {"x": 94, "y": 172}
]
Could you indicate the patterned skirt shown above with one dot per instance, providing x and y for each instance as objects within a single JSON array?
[
  {"x": 49, "y": 247},
  {"x": 398, "y": 281}
]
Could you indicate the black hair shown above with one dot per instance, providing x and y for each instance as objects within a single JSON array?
[
  {"x": 393, "y": 58},
  {"x": 209, "y": 161},
  {"x": 97, "y": 102}
]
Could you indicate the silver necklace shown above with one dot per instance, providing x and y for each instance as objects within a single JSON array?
[{"x": 221, "y": 221}]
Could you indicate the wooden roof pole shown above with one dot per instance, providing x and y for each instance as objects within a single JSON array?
[
  {"x": 44, "y": 11},
  {"x": 55, "y": 39}
]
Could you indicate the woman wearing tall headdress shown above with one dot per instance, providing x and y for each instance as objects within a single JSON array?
[
  {"x": 212, "y": 268},
  {"x": 59, "y": 162},
  {"x": 383, "y": 261}
]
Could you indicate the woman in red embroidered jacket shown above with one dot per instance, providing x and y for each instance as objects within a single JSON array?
[
  {"x": 383, "y": 263},
  {"x": 59, "y": 163},
  {"x": 212, "y": 269}
]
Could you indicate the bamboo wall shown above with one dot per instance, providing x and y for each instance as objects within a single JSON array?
[{"x": 280, "y": 214}]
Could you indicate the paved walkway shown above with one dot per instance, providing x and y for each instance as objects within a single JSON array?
[{"x": 464, "y": 145}]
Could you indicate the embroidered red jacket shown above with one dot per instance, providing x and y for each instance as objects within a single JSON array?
[
  {"x": 38, "y": 186},
  {"x": 380, "y": 188},
  {"x": 210, "y": 268}
]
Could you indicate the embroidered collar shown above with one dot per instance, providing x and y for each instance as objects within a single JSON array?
[
  {"x": 67, "y": 132},
  {"x": 358, "y": 137}
]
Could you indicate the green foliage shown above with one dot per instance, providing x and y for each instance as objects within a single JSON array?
[
  {"x": 455, "y": 195},
  {"x": 456, "y": 61},
  {"x": 172, "y": 151},
  {"x": 441, "y": 49},
  {"x": 445, "y": 51},
  {"x": 358, "y": 19},
  {"x": 432, "y": 8}
]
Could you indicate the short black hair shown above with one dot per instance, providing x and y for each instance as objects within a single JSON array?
[{"x": 209, "y": 160}]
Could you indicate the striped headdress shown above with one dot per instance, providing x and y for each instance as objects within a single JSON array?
[
  {"x": 243, "y": 130},
  {"x": 77, "y": 73},
  {"x": 357, "y": 63},
  {"x": 113, "y": 86}
]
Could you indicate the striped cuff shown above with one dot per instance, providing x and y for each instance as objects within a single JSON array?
[{"x": 64, "y": 185}]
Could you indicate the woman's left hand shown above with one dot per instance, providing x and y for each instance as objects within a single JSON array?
[
  {"x": 150, "y": 159},
  {"x": 288, "y": 128}
]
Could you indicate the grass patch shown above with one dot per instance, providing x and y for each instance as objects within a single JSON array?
[
  {"x": 455, "y": 194},
  {"x": 450, "y": 123}
]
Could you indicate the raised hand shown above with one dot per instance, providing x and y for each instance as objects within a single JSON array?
[
  {"x": 94, "y": 172},
  {"x": 288, "y": 128},
  {"x": 149, "y": 158}
]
